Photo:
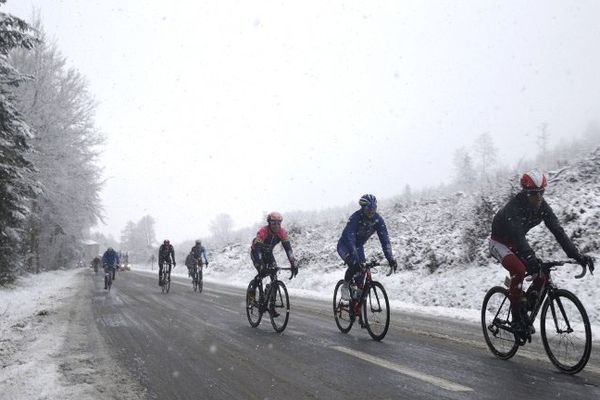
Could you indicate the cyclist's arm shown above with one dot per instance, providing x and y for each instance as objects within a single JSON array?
[
  {"x": 553, "y": 225},
  {"x": 384, "y": 239}
]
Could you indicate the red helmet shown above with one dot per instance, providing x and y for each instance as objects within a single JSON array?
[
  {"x": 274, "y": 217},
  {"x": 534, "y": 181}
]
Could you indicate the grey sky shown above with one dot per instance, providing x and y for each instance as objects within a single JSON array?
[{"x": 249, "y": 106}]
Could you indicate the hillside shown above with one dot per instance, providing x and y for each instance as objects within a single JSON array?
[{"x": 441, "y": 245}]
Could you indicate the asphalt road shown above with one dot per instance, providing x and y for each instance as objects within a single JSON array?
[{"x": 185, "y": 345}]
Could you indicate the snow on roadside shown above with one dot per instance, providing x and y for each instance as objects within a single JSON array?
[{"x": 29, "y": 344}]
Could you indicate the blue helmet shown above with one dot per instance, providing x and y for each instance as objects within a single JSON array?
[{"x": 368, "y": 201}]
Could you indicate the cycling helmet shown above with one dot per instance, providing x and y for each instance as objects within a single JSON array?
[
  {"x": 368, "y": 201},
  {"x": 110, "y": 249},
  {"x": 274, "y": 217},
  {"x": 534, "y": 181},
  {"x": 166, "y": 241},
  {"x": 198, "y": 241}
]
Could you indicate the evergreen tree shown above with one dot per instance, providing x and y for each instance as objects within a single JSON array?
[{"x": 15, "y": 165}]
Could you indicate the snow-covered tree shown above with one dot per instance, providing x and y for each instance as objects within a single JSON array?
[
  {"x": 486, "y": 154},
  {"x": 464, "y": 173},
  {"x": 59, "y": 109},
  {"x": 221, "y": 227},
  {"x": 16, "y": 187},
  {"x": 138, "y": 239}
]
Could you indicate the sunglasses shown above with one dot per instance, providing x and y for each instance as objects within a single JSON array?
[
  {"x": 275, "y": 223},
  {"x": 535, "y": 192}
]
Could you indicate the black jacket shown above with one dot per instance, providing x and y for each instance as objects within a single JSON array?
[
  {"x": 166, "y": 253},
  {"x": 517, "y": 217}
]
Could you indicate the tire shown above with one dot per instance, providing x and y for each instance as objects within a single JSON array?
[
  {"x": 376, "y": 311},
  {"x": 168, "y": 284},
  {"x": 279, "y": 304},
  {"x": 252, "y": 305},
  {"x": 495, "y": 322},
  {"x": 569, "y": 350},
  {"x": 195, "y": 283},
  {"x": 200, "y": 284},
  {"x": 341, "y": 309}
]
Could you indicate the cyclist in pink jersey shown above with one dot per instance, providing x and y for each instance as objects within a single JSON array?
[{"x": 266, "y": 239}]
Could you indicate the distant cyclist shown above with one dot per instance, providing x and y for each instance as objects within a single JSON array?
[
  {"x": 199, "y": 253},
  {"x": 96, "y": 263},
  {"x": 166, "y": 255},
  {"x": 361, "y": 225},
  {"x": 509, "y": 245},
  {"x": 261, "y": 250},
  {"x": 110, "y": 263}
]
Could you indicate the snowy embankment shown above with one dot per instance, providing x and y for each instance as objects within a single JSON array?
[{"x": 438, "y": 273}]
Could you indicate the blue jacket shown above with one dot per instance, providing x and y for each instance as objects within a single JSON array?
[
  {"x": 356, "y": 233},
  {"x": 110, "y": 258}
]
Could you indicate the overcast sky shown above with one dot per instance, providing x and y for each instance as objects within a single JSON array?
[{"x": 244, "y": 107}]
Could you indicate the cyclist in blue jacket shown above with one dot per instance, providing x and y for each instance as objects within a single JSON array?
[
  {"x": 361, "y": 225},
  {"x": 110, "y": 262}
]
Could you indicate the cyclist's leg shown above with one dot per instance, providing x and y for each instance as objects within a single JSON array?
[{"x": 517, "y": 269}]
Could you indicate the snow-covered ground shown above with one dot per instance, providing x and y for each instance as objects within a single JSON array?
[{"x": 49, "y": 344}]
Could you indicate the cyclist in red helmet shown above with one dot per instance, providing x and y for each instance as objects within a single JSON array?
[
  {"x": 509, "y": 245},
  {"x": 266, "y": 239}
]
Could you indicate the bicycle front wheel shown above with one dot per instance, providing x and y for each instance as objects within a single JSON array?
[
  {"x": 566, "y": 332},
  {"x": 253, "y": 305},
  {"x": 376, "y": 311},
  {"x": 341, "y": 310},
  {"x": 495, "y": 321},
  {"x": 279, "y": 306}
]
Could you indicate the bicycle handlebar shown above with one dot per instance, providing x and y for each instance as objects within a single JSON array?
[
  {"x": 550, "y": 264},
  {"x": 375, "y": 263}
]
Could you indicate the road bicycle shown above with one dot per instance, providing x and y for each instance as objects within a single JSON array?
[
  {"x": 273, "y": 299},
  {"x": 369, "y": 303},
  {"x": 166, "y": 278},
  {"x": 197, "y": 280},
  {"x": 564, "y": 324}
]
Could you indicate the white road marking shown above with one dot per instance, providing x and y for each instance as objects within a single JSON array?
[{"x": 439, "y": 382}]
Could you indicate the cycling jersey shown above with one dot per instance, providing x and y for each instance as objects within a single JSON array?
[
  {"x": 517, "y": 217},
  {"x": 357, "y": 231},
  {"x": 266, "y": 240},
  {"x": 166, "y": 253},
  {"x": 199, "y": 251}
]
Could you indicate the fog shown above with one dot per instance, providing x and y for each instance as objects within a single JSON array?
[{"x": 245, "y": 107}]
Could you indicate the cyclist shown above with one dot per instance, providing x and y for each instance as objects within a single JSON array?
[
  {"x": 166, "y": 254},
  {"x": 261, "y": 250},
  {"x": 96, "y": 263},
  {"x": 361, "y": 225},
  {"x": 110, "y": 262},
  {"x": 510, "y": 247},
  {"x": 199, "y": 252}
]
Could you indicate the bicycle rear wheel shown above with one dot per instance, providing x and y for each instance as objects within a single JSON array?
[
  {"x": 495, "y": 321},
  {"x": 279, "y": 306},
  {"x": 341, "y": 309},
  {"x": 566, "y": 332},
  {"x": 376, "y": 311},
  {"x": 200, "y": 281},
  {"x": 253, "y": 305}
]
